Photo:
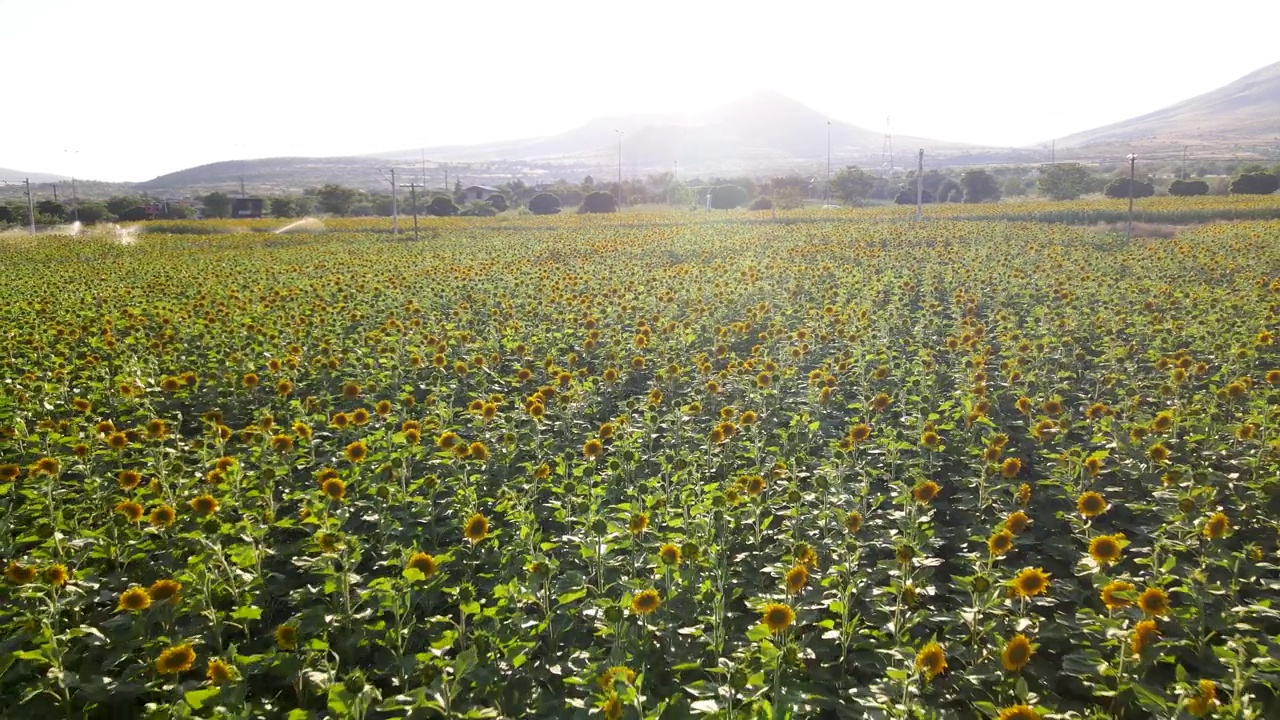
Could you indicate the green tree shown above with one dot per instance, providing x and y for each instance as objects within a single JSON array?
[
  {"x": 544, "y": 204},
  {"x": 216, "y": 204},
  {"x": 1257, "y": 183},
  {"x": 284, "y": 207},
  {"x": 852, "y": 184},
  {"x": 1063, "y": 181},
  {"x": 599, "y": 202},
  {"x": 1187, "y": 188},
  {"x": 94, "y": 212},
  {"x": 441, "y": 206},
  {"x": 120, "y": 204},
  {"x": 336, "y": 199},
  {"x": 1119, "y": 189},
  {"x": 950, "y": 191},
  {"x": 979, "y": 186},
  {"x": 724, "y": 197},
  {"x": 52, "y": 208}
]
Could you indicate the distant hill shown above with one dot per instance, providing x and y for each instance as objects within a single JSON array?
[
  {"x": 271, "y": 176},
  {"x": 1243, "y": 114},
  {"x": 9, "y": 175}
]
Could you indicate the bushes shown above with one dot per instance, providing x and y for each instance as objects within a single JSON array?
[
  {"x": 762, "y": 203},
  {"x": 441, "y": 206},
  {"x": 1119, "y": 189},
  {"x": 907, "y": 196},
  {"x": 544, "y": 204},
  {"x": 599, "y": 202},
  {"x": 1188, "y": 188},
  {"x": 1255, "y": 183},
  {"x": 726, "y": 197}
]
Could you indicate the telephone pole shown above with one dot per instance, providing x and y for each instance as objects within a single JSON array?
[
  {"x": 413, "y": 193},
  {"x": 920, "y": 186},
  {"x": 1133, "y": 161},
  {"x": 395, "y": 210},
  {"x": 620, "y": 134},
  {"x": 828, "y": 192}
]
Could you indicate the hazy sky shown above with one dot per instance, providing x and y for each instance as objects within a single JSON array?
[{"x": 131, "y": 89}]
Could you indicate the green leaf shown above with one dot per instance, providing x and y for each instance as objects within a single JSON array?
[
  {"x": 758, "y": 632},
  {"x": 571, "y": 596},
  {"x": 247, "y": 612},
  {"x": 197, "y": 698}
]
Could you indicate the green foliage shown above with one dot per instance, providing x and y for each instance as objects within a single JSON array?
[
  {"x": 726, "y": 197},
  {"x": 1063, "y": 181},
  {"x": 118, "y": 205},
  {"x": 761, "y": 203},
  {"x": 283, "y": 207},
  {"x": 544, "y": 204},
  {"x": 93, "y": 212},
  {"x": 479, "y": 209},
  {"x": 908, "y": 196},
  {"x": 216, "y": 205},
  {"x": 1188, "y": 188},
  {"x": 1255, "y": 183},
  {"x": 52, "y": 209},
  {"x": 498, "y": 202},
  {"x": 852, "y": 184},
  {"x": 1119, "y": 189},
  {"x": 598, "y": 202},
  {"x": 336, "y": 199},
  {"x": 949, "y": 191},
  {"x": 980, "y": 186},
  {"x": 441, "y": 206}
]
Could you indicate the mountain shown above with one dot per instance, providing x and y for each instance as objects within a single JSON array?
[
  {"x": 765, "y": 131},
  {"x": 12, "y": 176},
  {"x": 270, "y": 176},
  {"x": 1244, "y": 114}
]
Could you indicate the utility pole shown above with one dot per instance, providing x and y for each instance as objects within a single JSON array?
[
  {"x": 242, "y": 194},
  {"x": 620, "y": 133},
  {"x": 1133, "y": 161},
  {"x": 1184, "y": 161},
  {"x": 1053, "y": 151},
  {"x": 75, "y": 201},
  {"x": 413, "y": 193},
  {"x": 395, "y": 210},
  {"x": 920, "y": 186},
  {"x": 827, "y": 194},
  {"x": 424, "y": 167},
  {"x": 54, "y": 185},
  {"x": 31, "y": 206}
]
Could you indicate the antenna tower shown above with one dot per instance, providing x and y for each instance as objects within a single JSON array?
[{"x": 886, "y": 152}]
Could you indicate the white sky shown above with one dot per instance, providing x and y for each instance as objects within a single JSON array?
[{"x": 131, "y": 89}]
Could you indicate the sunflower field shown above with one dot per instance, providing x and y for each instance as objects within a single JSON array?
[{"x": 843, "y": 466}]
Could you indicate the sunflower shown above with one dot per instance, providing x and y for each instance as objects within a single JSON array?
[
  {"x": 1105, "y": 549},
  {"x": 448, "y": 440},
  {"x": 340, "y": 420},
  {"x": 328, "y": 542},
  {"x": 611, "y": 708},
  {"x": 669, "y": 554},
  {"x": 19, "y": 574},
  {"x": 754, "y": 485},
  {"x": 287, "y": 637},
  {"x": 930, "y": 439},
  {"x": 638, "y": 523},
  {"x": 796, "y": 578},
  {"x": 1217, "y": 526},
  {"x": 478, "y": 451},
  {"x": 46, "y": 466},
  {"x": 204, "y": 505},
  {"x": 777, "y": 617},
  {"x": 1044, "y": 430},
  {"x": 176, "y": 659},
  {"x": 853, "y": 521},
  {"x": 880, "y": 402},
  {"x": 281, "y": 443},
  {"x": 157, "y": 429},
  {"x": 1091, "y": 504},
  {"x": 1024, "y": 495},
  {"x": 351, "y": 390},
  {"x": 56, "y": 575},
  {"x": 925, "y": 491},
  {"x": 219, "y": 672},
  {"x": 284, "y": 388},
  {"x": 1016, "y": 522},
  {"x": 250, "y": 380},
  {"x": 334, "y": 488},
  {"x": 1016, "y": 653},
  {"x": 1205, "y": 699},
  {"x": 476, "y": 529},
  {"x": 1000, "y": 543},
  {"x": 130, "y": 509},
  {"x": 165, "y": 590},
  {"x": 615, "y": 674},
  {"x": 1113, "y": 595},
  {"x": 1145, "y": 634},
  {"x": 128, "y": 479},
  {"x": 1019, "y": 712},
  {"x": 645, "y": 602},
  {"x": 592, "y": 449},
  {"x": 81, "y": 405},
  {"x": 1158, "y": 453},
  {"x": 931, "y": 660},
  {"x": 1010, "y": 468},
  {"x": 749, "y": 417},
  {"x": 1030, "y": 582},
  {"x": 163, "y": 516},
  {"x": 359, "y": 417},
  {"x": 1154, "y": 602},
  {"x": 135, "y": 599},
  {"x": 9, "y": 472},
  {"x": 423, "y": 563},
  {"x": 356, "y": 451},
  {"x": 1023, "y": 405},
  {"x": 859, "y": 432}
]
